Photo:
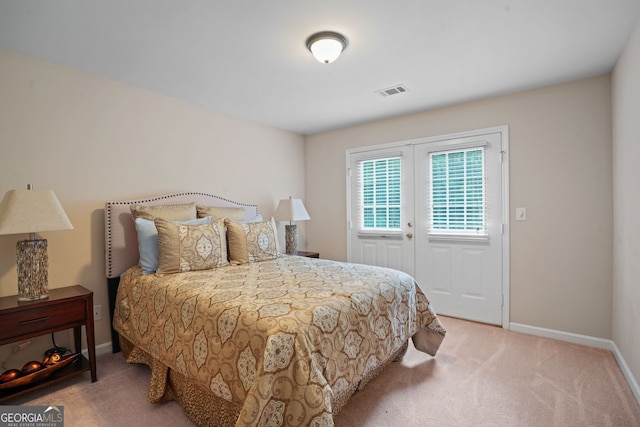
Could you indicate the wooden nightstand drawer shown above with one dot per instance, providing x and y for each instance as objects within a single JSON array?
[{"x": 31, "y": 321}]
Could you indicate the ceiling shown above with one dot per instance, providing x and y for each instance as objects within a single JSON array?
[{"x": 249, "y": 59}]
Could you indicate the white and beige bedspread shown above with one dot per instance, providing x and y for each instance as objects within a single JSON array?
[{"x": 287, "y": 340}]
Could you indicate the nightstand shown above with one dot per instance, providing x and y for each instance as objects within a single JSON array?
[
  {"x": 66, "y": 308},
  {"x": 308, "y": 254}
]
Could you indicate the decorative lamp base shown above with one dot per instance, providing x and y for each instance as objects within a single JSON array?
[
  {"x": 33, "y": 264},
  {"x": 291, "y": 238}
]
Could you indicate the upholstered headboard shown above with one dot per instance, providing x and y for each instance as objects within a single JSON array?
[{"x": 121, "y": 239}]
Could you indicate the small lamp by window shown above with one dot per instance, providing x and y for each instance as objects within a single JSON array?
[
  {"x": 291, "y": 210},
  {"x": 32, "y": 211}
]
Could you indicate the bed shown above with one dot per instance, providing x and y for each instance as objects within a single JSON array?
[{"x": 253, "y": 337}]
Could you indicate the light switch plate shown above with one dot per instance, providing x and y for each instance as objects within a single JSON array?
[{"x": 521, "y": 214}]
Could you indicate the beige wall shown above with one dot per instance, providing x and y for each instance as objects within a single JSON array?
[
  {"x": 626, "y": 189},
  {"x": 92, "y": 140},
  {"x": 560, "y": 170}
]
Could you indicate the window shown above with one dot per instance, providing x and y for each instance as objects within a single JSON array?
[
  {"x": 458, "y": 192},
  {"x": 380, "y": 193}
]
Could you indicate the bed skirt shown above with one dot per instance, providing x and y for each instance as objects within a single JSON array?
[{"x": 167, "y": 384}]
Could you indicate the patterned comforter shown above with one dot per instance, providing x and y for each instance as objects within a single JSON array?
[{"x": 287, "y": 340}]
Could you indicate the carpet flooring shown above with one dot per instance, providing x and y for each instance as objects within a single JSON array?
[{"x": 481, "y": 376}]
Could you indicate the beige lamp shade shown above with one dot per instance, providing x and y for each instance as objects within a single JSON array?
[
  {"x": 32, "y": 211},
  {"x": 291, "y": 210}
]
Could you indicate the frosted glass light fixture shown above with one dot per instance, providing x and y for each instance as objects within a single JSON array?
[{"x": 326, "y": 46}]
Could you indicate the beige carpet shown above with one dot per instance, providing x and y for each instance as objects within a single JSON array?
[{"x": 482, "y": 376}]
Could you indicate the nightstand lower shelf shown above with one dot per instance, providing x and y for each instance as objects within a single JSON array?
[{"x": 76, "y": 368}]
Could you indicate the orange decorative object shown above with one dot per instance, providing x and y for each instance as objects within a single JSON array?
[
  {"x": 38, "y": 375},
  {"x": 31, "y": 367},
  {"x": 10, "y": 375}
]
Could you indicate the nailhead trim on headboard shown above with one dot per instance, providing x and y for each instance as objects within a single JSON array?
[{"x": 117, "y": 263}]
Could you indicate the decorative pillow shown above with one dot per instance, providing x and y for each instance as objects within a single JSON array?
[
  {"x": 220, "y": 212},
  {"x": 184, "y": 212},
  {"x": 148, "y": 241},
  {"x": 185, "y": 247},
  {"x": 252, "y": 242}
]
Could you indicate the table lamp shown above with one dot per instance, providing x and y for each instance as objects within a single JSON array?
[
  {"x": 32, "y": 211},
  {"x": 291, "y": 210}
]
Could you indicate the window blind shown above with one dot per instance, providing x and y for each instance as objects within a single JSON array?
[
  {"x": 380, "y": 193},
  {"x": 458, "y": 192}
]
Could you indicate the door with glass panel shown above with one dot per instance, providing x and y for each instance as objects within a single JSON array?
[
  {"x": 380, "y": 205},
  {"x": 433, "y": 208},
  {"x": 458, "y": 237}
]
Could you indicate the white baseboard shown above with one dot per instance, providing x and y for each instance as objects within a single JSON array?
[
  {"x": 100, "y": 349},
  {"x": 626, "y": 371},
  {"x": 584, "y": 340},
  {"x": 562, "y": 336}
]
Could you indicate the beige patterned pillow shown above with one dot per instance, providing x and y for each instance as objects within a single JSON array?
[
  {"x": 190, "y": 247},
  {"x": 252, "y": 242},
  {"x": 220, "y": 212},
  {"x": 183, "y": 212}
]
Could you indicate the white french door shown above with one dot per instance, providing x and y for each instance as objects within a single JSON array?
[
  {"x": 381, "y": 213},
  {"x": 435, "y": 209},
  {"x": 458, "y": 243}
]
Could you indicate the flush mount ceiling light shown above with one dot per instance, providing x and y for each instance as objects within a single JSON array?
[{"x": 326, "y": 46}]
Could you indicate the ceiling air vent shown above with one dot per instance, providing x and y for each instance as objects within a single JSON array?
[{"x": 394, "y": 90}]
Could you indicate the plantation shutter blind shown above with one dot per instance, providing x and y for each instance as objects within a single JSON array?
[
  {"x": 457, "y": 204},
  {"x": 379, "y": 190}
]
